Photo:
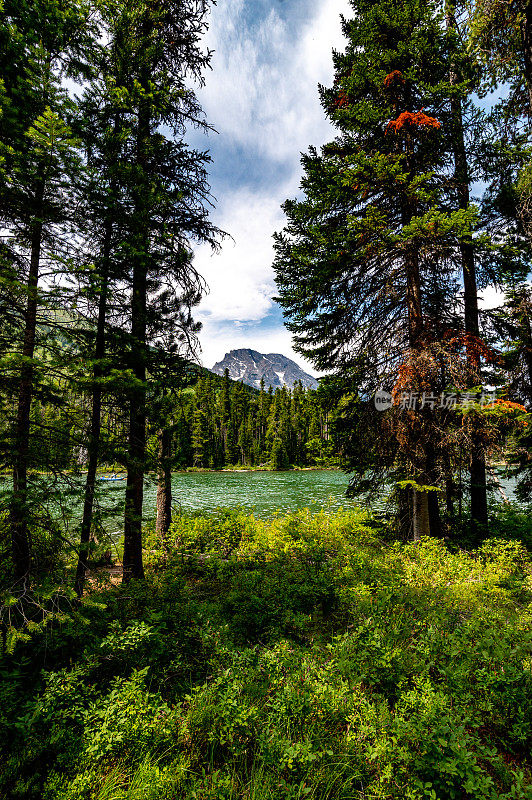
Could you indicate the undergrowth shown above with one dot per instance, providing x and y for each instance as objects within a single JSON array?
[{"x": 304, "y": 657}]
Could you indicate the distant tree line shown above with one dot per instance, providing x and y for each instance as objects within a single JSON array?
[
  {"x": 214, "y": 423},
  {"x": 231, "y": 425}
]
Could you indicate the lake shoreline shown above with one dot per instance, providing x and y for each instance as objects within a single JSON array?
[{"x": 189, "y": 471}]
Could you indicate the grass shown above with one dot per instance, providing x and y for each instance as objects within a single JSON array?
[{"x": 303, "y": 657}]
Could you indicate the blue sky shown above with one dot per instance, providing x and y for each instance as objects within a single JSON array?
[{"x": 262, "y": 98}]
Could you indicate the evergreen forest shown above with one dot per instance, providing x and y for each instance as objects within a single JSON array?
[{"x": 381, "y": 649}]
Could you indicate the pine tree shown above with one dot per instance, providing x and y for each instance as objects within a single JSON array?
[
  {"x": 41, "y": 162},
  {"x": 158, "y": 48},
  {"x": 200, "y": 439},
  {"x": 103, "y": 130},
  {"x": 225, "y": 417},
  {"x": 463, "y": 79},
  {"x": 368, "y": 263},
  {"x": 279, "y": 456}
]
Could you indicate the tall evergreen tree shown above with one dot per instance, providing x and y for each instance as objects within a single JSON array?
[
  {"x": 464, "y": 80},
  {"x": 104, "y": 126},
  {"x": 377, "y": 231},
  {"x": 158, "y": 45},
  {"x": 41, "y": 161}
]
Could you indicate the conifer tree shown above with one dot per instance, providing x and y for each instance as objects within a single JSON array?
[
  {"x": 103, "y": 128},
  {"x": 41, "y": 163},
  {"x": 464, "y": 80},
  {"x": 367, "y": 265},
  {"x": 158, "y": 45}
]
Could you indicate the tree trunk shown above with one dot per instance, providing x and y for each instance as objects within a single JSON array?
[
  {"x": 20, "y": 543},
  {"x": 420, "y": 505},
  {"x": 404, "y": 513},
  {"x": 526, "y": 42},
  {"x": 164, "y": 486},
  {"x": 132, "y": 562},
  {"x": 477, "y": 465},
  {"x": 479, "y": 499},
  {"x": 433, "y": 502},
  {"x": 421, "y": 526},
  {"x": 413, "y": 298},
  {"x": 450, "y": 489},
  {"x": 95, "y": 424},
  {"x": 449, "y": 496}
]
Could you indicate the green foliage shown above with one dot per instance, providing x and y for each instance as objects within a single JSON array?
[
  {"x": 300, "y": 657},
  {"x": 233, "y": 426}
]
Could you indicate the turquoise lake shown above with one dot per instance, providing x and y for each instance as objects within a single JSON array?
[{"x": 261, "y": 493}]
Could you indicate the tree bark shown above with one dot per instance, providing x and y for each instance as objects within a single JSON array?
[
  {"x": 132, "y": 562},
  {"x": 20, "y": 543},
  {"x": 164, "y": 485},
  {"x": 450, "y": 489},
  {"x": 421, "y": 525},
  {"x": 404, "y": 512},
  {"x": 433, "y": 503},
  {"x": 413, "y": 299},
  {"x": 477, "y": 464},
  {"x": 526, "y": 42},
  {"x": 95, "y": 424}
]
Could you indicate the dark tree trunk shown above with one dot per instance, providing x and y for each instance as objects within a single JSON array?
[
  {"x": 95, "y": 424},
  {"x": 477, "y": 465},
  {"x": 477, "y": 476},
  {"x": 21, "y": 551},
  {"x": 526, "y": 41},
  {"x": 421, "y": 525},
  {"x": 449, "y": 496},
  {"x": 404, "y": 513},
  {"x": 433, "y": 500},
  {"x": 164, "y": 485},
  {"x": 420, "y": 502},
  {"x": 450, "y": 488},
  {"x": 132, "y": 563},
  {"x": 413, "y": 299}
]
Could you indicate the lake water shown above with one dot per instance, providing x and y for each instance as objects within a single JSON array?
[{"x": 261, "y": 493}]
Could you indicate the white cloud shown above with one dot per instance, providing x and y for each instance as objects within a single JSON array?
[
  {"x": 490, "y": 298},
  {"x": 262, "y": 97},
  {"x": 240, "y": 278},
  {"x": 262, "y": 91}
]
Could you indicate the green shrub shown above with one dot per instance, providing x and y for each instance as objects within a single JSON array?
[{"x": 301, "y": 657}]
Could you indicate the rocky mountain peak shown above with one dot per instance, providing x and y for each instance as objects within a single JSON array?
[{"x": 250, "y": 366}]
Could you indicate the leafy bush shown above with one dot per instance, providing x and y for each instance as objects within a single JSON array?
[{"x": 302, "y": 657}]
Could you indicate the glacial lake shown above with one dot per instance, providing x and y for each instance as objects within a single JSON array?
[{"x": 261, "y": 493}]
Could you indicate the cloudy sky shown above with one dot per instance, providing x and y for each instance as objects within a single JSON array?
[{"x": 262, "y": 98}]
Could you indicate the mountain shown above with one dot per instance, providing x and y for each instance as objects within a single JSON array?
[{"x": 276, "y": 370}]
